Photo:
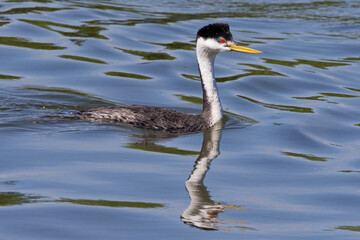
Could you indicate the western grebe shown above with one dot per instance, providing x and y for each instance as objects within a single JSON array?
[{"x": 210, "y": 40}]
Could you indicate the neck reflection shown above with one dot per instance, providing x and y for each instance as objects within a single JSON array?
[{"x": 202, "y": 211}]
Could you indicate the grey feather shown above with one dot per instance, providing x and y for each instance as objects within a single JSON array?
[{"x": 149, "y": 117}]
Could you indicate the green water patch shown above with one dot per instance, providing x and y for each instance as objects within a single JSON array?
[
  {"x": 325, "y": 96},
  {"x": 113, "y": 8},
  {"x": 24, "y": 43},
  {"x": 4, "y": 23},
  {"x": 306, "y": 156},
  {"x": 191, "y": 99},
  {"x": 258, "y": 71},
  {"x": 351, "y": 59},
  {"x": 128, "y": 75},
  {"x": 16, "y": 198},
  {"x": 83, "y": 31},
  {"x": 9, "y": 77},
  {"x": 152, "y": 147},
  {"x": 313, "y": 98},
  {"x": 339, "y": 95},
  {"x": 316, "y": 98},
  {"x": 175, "y": 45},
  {"x": 107, "y": 203},
  {"x": 315, "y": 64},
  {"x": 353, "y": 89},
  {"x": 25, "y": 10},
  {"x": 288, "y": 108},
  {"x": 83, "y": 59},
  {"x": 150, "y": 56},
  {"x": 191, "y": 77},
  {"x": 57, "y": 90},
  {"x": 349, "y": 171},
  {"x": 349, "y": 228}
]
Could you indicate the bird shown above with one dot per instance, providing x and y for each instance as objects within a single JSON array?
[{"x": 210, "y": 40}]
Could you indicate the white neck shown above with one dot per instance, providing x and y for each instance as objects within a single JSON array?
[{"x": 212, "y": 105}]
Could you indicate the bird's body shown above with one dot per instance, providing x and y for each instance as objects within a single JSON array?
[
  {"x": 211, "y": 40},
  {"x": 149, "y": 117}
]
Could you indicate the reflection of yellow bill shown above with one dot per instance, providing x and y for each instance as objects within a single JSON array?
[
  {"x": 234, "y": 207},
  {"x": 243, "y": 49}
]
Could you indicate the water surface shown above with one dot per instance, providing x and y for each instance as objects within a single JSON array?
[{"x": 285, "y": 165}]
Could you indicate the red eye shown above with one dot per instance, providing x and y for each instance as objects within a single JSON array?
[{"x": 223, "y": 40}]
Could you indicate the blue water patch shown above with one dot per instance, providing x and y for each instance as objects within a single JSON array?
[{"x": 283, "y": 165}]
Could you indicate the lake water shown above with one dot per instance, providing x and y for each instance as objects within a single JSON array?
[{"x": 285, "y": 165}]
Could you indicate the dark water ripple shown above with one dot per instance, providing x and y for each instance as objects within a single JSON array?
[{"x": 287, "y": 164}]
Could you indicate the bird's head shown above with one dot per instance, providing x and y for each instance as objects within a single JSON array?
[{"x": 216, "y": 37}]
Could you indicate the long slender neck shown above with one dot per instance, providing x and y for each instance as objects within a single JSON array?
[{"x": 212, "y": 110}]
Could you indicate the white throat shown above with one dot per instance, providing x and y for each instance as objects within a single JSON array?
[{"x": 206, "y": 57}]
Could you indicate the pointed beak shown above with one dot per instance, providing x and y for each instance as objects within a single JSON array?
[{"x": 237, "y": 48}]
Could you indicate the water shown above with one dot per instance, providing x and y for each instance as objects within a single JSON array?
[{"x": 285, "y": 165}]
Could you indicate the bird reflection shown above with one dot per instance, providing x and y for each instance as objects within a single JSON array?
[{"x": 202, "y": 211}]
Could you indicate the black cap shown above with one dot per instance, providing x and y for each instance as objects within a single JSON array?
[{"x": 215, "y": 30}]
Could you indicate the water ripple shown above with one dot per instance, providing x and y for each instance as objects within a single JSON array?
[
  {"x": 69, "y": 30},
  {"x": 25, "y": 43},
  {"x": 279, "y": 107},
  {"x": 288, "y": 157}
]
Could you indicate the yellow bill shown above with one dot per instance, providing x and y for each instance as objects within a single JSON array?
[{"x": 243, "y": 49}]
